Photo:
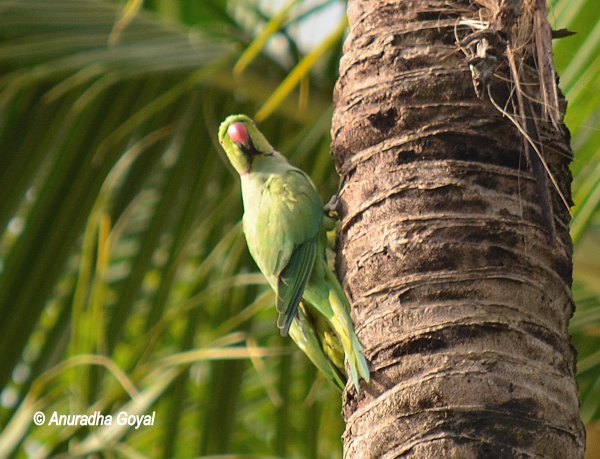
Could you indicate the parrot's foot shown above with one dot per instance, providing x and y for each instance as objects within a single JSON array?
[
  {"x": 331, "y": 207},
  {"x": 330, "y": 225}
]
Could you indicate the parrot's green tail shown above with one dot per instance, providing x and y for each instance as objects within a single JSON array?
[
  {"x": 327, "y": 298},
  {"x": 303, "y": 334},
  {"x": 343, "y": 326}
]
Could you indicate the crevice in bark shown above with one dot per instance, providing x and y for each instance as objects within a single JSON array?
[{"x": 459, "y": 296}]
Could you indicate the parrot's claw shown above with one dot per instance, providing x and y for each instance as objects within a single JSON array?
[
  {"x": 331, "y": 208},
  {"x": 330, "y": 225}
]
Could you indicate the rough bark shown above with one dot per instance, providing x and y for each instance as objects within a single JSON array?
[{"x": 460, "y": 291}]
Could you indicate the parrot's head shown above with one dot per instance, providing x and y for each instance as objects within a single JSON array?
[{"x": 242, "y": 142}]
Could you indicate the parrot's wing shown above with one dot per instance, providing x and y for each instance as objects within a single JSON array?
[
  {"x": 292, "y": 281},
  {"x": 282, "y": 227}
]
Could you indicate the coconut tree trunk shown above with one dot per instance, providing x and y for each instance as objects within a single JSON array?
[{"x": 455, "y": 248}]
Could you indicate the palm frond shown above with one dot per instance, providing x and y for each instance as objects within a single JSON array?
[{"x": 121, "y": 239}]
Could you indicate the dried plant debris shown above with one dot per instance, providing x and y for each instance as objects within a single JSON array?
[{"x": 515, "y": 35}]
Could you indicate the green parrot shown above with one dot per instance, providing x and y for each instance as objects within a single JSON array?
[{"x": 285, "y": 229}]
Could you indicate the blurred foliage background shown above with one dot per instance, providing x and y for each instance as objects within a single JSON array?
[{"x": 125, "y": 283}]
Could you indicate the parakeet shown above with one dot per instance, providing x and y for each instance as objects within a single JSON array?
[{"x": 285, "y": 229}]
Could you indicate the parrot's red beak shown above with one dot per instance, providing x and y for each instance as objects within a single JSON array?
[{"x": 239, "y": 134}]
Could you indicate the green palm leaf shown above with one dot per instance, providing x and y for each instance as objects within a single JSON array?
[{"x": 121, "y": 236}]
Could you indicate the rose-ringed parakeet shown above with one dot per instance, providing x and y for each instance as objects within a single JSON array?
[{"x": 285, "y": 229}]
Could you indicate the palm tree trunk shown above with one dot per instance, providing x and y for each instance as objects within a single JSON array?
[{"x": 455, "y": 249}]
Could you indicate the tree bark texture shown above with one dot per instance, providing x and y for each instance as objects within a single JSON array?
[{"x": 461, "y": 291}]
